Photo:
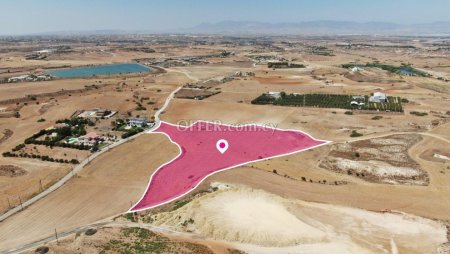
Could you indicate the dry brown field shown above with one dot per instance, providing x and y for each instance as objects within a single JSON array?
[{"x": 293, "y": 189}]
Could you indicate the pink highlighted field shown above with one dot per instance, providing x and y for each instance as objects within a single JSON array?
[{"x": 200, "y": 158}]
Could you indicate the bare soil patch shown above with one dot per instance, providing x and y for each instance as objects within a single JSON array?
[
  {"x": 11, "y": 171},
  {"x": 373, "y": 76},
  {"x": 7, "y": 133},
  {"x": 379, "y": 160},
  {"x": 199, "y": 94},
  {"x": 109, "y": 185},
  {"x": 256, "y": 222}
]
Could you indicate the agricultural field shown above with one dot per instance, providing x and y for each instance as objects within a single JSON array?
[
  {"x": 393, "y": 104},
  {"x": 79, "y": 153}
]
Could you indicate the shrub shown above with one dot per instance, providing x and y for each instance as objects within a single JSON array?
[
  {"x": 355, "y": 134},
  {"x": 130, "y": 217},
  {"x": 42, "y": 250},
  {"x": 377, "y": 117},
  {"x": 348, "y": 112},
  {"x": 18, "y": 147},
  {"x": 132, "y": 132},
  {"x": 90, "y": 231},
  {"x": 417, "y": 113}
]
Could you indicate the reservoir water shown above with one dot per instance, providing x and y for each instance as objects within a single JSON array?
[{"x": 99, "y": 70}]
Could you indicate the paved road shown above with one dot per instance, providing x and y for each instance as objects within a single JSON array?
[
  {"x": 381, "y": 135},
  {"x": 80, "y": 166},
  {"x": 109, "y": 222},
  {"x": 85, "y": 162}
]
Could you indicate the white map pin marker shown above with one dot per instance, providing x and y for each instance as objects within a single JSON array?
[{"x": 222, "y": 146}]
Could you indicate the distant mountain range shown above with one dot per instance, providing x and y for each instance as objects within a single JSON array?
[{"x": 326, "y": 27}]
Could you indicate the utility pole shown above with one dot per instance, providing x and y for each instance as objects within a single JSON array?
[
  {"x": 20, "y": 200},
  {"x": 40, "y": 186},
  {"x": 9, "y": 204},
  {"x": 56, "y": 236}
]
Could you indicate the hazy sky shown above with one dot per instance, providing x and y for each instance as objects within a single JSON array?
[{"x": 34, "y": 16}]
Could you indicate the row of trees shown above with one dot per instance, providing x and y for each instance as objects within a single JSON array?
[
  {"x": 77, "y": 121},
  {"x": 328, "y": 101},
  {"x": 277, "y": 65},
  {"x": 18, "y": 147},
  {"x": 132, "y": 132},
  {"x": 393, "y": 104},
  {"x": 52, "y": 143},
  {"x": 41, "y": 157},
  {"x": 263, "y": 99},
  {"x": 404, "y": 69}
]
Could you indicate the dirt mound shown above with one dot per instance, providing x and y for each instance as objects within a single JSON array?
[
  {"x": 267, "y": 221},
  {"x": 11, "y": 171},
  {"x": 380, "y": 160},
  {"x": 260, "y": 222}
]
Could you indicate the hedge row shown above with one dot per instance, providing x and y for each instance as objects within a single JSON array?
[
  {"x": 393, "y": 104},
  {"x": 41, "y": 157}
]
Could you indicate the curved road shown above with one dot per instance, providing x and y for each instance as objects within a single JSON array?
[
  {"x": 85, "y": 162},
  {"x": 99, "y": 225},
  {"x": 80, "y": 166}
]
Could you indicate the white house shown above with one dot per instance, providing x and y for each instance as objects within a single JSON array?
[
  {"x": 275, "y": 95},
  {"x": 378, "y": 97},
  {"x": 356, "y": 103},
  {"x": 356, "y": 69},
  {"x": 137, "y": 122},
  {"x": 18, "y": 78}
]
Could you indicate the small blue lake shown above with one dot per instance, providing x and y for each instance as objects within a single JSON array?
[{"x": 99, "y": 70}]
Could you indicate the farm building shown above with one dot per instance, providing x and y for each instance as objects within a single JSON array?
[
  {"x": 19, "y": 78},
  {"x": 378, "y": 97},
  {"x": 97, "y": 113}
]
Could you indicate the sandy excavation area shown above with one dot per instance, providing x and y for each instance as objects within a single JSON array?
[
  {"x": 259, "y": 220},
  {"x": 290, "y": 204},
  {"x": 381, "y": 160}
]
